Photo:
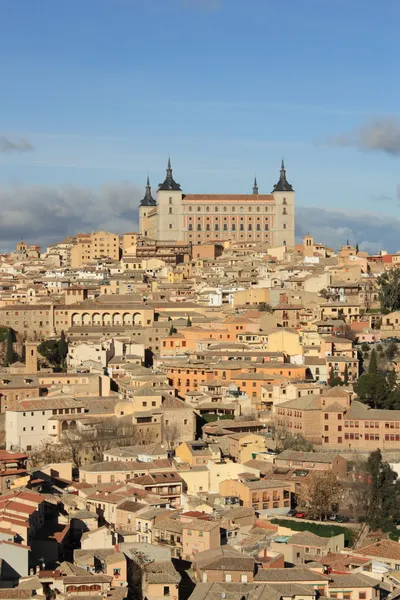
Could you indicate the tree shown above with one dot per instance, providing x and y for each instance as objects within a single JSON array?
[
  {"x": 47, "y": 452},
  {"x": 391, "y": 351},
  {"x": 188, "y": 322},
  {"x": 265, "y": 307},
  {"x": 373, "y": 364},
  {"x": 346, "y": 375},
  {"x": 10, "y": 354},
  {"x": 170, "y": 435},
  {"x": 384, "y": 494},
  {"x": 347, "y": 332},
  {"x": 389, "y": 292},
  {"x": 325, "y": 294},
  {"x": 62, "y": 349},
  {"x": 321, "y": 493},
  {"x": 334, "y": 380},
  {"x": 49, "y": 350},
  {"x": 372, "y": 389},
  {"x": 357, "y": 248},
  {"x": 172, "y": 330}
]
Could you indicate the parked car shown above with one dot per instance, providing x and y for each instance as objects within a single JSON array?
[
  {"x": 292, "y": 513},
  {"x": 342, "y": 519},
  {"x": 300, "y": 515}
]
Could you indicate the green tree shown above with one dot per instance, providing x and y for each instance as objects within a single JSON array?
[
  {"x": 389, "y": 292},
  {"x": 49, "y": 350},
  {"x": 391, "y": 350},
  {"x": 346, "y": 375},
  {"x": 172, "y": 330},
  {"x": 357, "y": 248},
  {"x": 384, "y": 494},
  {"x": 373, "y": 364},
  {"x": 62, "y": 349},
  {"x": 334, "y": 380},
  {"x": 372, "y": 389},
  {"x": 10, "y": 354},
  {"x": 188, "y": 322}
]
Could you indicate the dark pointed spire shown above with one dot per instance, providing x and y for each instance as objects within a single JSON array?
[
  {"x": 148, "y": 199},
  {"x": 169, "y": 183},
  {"x": 283, "y": 185},
  {"x": 255, "y": 186}
]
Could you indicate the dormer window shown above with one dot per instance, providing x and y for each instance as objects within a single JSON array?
[{"x": 6, "y": 381}]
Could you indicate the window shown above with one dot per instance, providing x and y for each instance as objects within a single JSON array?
[
  {"x": 170, "y": 210},
  {"x": 170, "y": 226},
  {"x": 166, "y": 590},
  {"x": 228, "y": 577}
]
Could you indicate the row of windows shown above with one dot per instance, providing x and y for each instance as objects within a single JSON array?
[
  {"x": 226, "y": 218},
  {"x": 233, "y": 235},
  {"x": 231, "y": 208},
  {"x": 233, "y": 227}
]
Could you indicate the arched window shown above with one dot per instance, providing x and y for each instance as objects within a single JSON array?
[
  {"x": 190, "y": 208},
  {"x": 207, "y": 209}
]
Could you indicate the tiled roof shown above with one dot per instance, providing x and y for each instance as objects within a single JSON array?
[
  {"x": 299, "y": 574},
  {"x": 382, "y": 549}
]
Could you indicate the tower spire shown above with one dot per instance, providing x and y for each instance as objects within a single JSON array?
[
  {"x": 283, "y": 170},
  {"x": 255, "y": 186},
  {"x": 283, "y": 185},
  {"x": 169, "y": 183},
  {"x": 169, "y": 169},
  {"x": 148, "y": 199}
]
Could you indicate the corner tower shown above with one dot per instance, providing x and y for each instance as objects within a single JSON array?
[
  {"x": 283, "y": 227},
  {"x": 147, "y": 213},
  {"x": 170, "y": 225}
]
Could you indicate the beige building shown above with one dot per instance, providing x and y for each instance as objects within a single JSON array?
[
  {"x": 94, "y": 246},
  {"x": 203, "y": 218}
]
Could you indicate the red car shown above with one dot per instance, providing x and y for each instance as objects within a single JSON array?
[{"x": 300, "y": 515}]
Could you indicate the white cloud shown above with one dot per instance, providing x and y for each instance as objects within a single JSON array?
[
  {"x": 8, "y": 145},
  {"x": 376, "y": 135}
]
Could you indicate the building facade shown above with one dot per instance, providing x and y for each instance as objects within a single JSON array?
[{"x": 202, "y": 218}]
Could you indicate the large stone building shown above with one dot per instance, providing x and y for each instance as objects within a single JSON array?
[{"x": 201, "y": 218}]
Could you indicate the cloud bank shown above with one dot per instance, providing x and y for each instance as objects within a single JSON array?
[
  {"x": 371, "y": 231},
  {"x": 46, "y": 214},
  {"x": 17, "y": 145},
  {"x": 376, "y": 135}
]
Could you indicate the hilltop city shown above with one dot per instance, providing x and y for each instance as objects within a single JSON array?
[{"x": 204, "y": 408}]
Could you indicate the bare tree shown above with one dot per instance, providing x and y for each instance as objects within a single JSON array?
[
  {"x": 170, "y": 435},
  {"x": 48, "y": 452},
  {"x": 321, "y": 493}
]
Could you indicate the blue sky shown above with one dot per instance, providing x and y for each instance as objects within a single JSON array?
[{"x": 102, "y": 91}]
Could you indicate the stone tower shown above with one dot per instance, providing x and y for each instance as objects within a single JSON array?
[
  {"x": 147, "y": 205},
  {"x": 31, "y": 364},
  {"x": 283, "y": 194},
  {"x": 170, "y": 224}
]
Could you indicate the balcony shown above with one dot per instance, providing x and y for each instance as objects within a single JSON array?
[{"x": 164, "y": 542}]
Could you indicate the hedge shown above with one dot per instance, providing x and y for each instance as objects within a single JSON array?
[{"x": 319, "y": 529}]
